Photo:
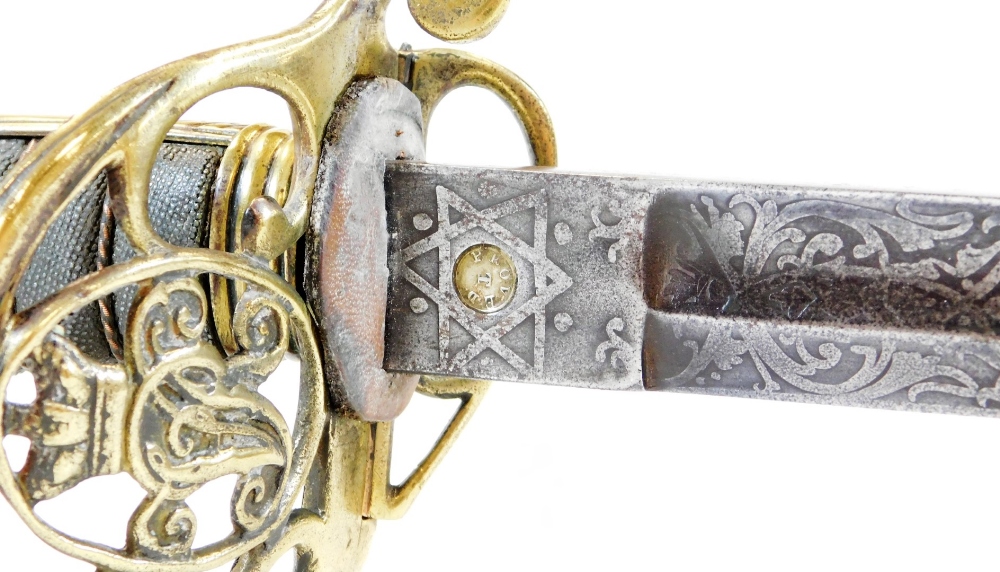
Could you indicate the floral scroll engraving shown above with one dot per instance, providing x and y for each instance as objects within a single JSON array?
[
  {"x": 621, "y": 232},
  {"x": 855, "y": 298},
  {"x": 852, "y": 258},
  {"x": 931, "y": 371}
]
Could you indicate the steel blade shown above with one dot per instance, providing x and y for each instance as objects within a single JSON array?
[{"x": 831, "y": 296}]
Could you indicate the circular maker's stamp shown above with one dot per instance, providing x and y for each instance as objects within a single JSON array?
[{"x": 485, "y": 278}]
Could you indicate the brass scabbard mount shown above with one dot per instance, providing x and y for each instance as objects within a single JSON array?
[{"x": 291, "y": 258}]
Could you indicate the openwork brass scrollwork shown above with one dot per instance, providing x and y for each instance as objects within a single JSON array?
[
  {"x": 178, "y": 404},
  {"x": 175, "y": 414}
]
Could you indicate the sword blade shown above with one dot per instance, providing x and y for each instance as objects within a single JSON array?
[{"x": 830, "y": 296}]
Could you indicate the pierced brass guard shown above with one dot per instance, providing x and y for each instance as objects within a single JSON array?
[
  {"x": 390, "y": 502},
  {"x": 171, "y": 380},
  {"x": 433, "y": 74}
]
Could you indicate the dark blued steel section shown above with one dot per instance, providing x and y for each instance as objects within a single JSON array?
[
  {"x": 578, "y": 315},
  {"x": 851, "y": 258},
  {"x": 856, "y": 298}
]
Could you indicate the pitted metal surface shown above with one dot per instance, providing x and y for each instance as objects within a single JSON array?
[
  {"x": 346, "y": 275},
  {"x": 886, "y": 368},
  {"x": 577, "y": 316},
  {"x": 841, "y": 297},
  {"x": 817, "y": 255}
]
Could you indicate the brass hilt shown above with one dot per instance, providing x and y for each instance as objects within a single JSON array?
[{"x": 179, "y": 406}]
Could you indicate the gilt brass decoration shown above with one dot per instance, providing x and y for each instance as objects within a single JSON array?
[
  {"x": 178, "y": 404},
  {"x": 174, "y": 415}
]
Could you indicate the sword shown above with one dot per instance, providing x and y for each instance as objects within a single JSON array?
[{"x": 402, "y": 305}]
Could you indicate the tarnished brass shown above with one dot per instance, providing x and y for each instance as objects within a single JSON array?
[
  {"x": 388, "y": 501},
  {"x": 181, "y": 405},
  {"x": 485, "y": 278},
  {"x": 189, "y": 414},
  {"x": 180, "y": 132},
  {"x": 458, "y": 20},
  {"x": 258, "y": 163},
  {"x": 433, "y": 74}
]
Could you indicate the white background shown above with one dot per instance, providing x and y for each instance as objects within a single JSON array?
[{"x": 872, "y": 94}]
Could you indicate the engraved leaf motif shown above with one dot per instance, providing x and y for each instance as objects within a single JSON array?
[
  {"x": 970, "y": 260},
  {"x": 721, "y": 348},
  {"x": 885, "y": 370},
  {"x": 722, "y": 232},
  {"x": 912, "y": 231},
  {"x": 622, "y": 353},
  {"x": 825, "y": 243}
]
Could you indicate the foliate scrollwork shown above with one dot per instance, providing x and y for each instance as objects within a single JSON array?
[
  {"x": 621, "y": 232},
  {"x": 198, "y": 417},
  {"x": 852, "y": 258},
  {"x": 850, "y": 366},
  {"x": 841, "y": 297},
  {"x": 175, "y": 414},
  {"x": 621, "y": 352}
]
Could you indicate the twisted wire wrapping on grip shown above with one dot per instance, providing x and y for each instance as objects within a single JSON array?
[{"x": 105, "y": 245}]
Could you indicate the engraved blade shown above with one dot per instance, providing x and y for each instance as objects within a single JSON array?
[{"x": 844, "y": 297}]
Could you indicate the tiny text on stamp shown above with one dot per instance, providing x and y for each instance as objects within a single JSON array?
[{"x": 485, "y": 278}]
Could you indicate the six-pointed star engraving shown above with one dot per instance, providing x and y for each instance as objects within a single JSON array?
[{"x": 549, "y": 279}]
